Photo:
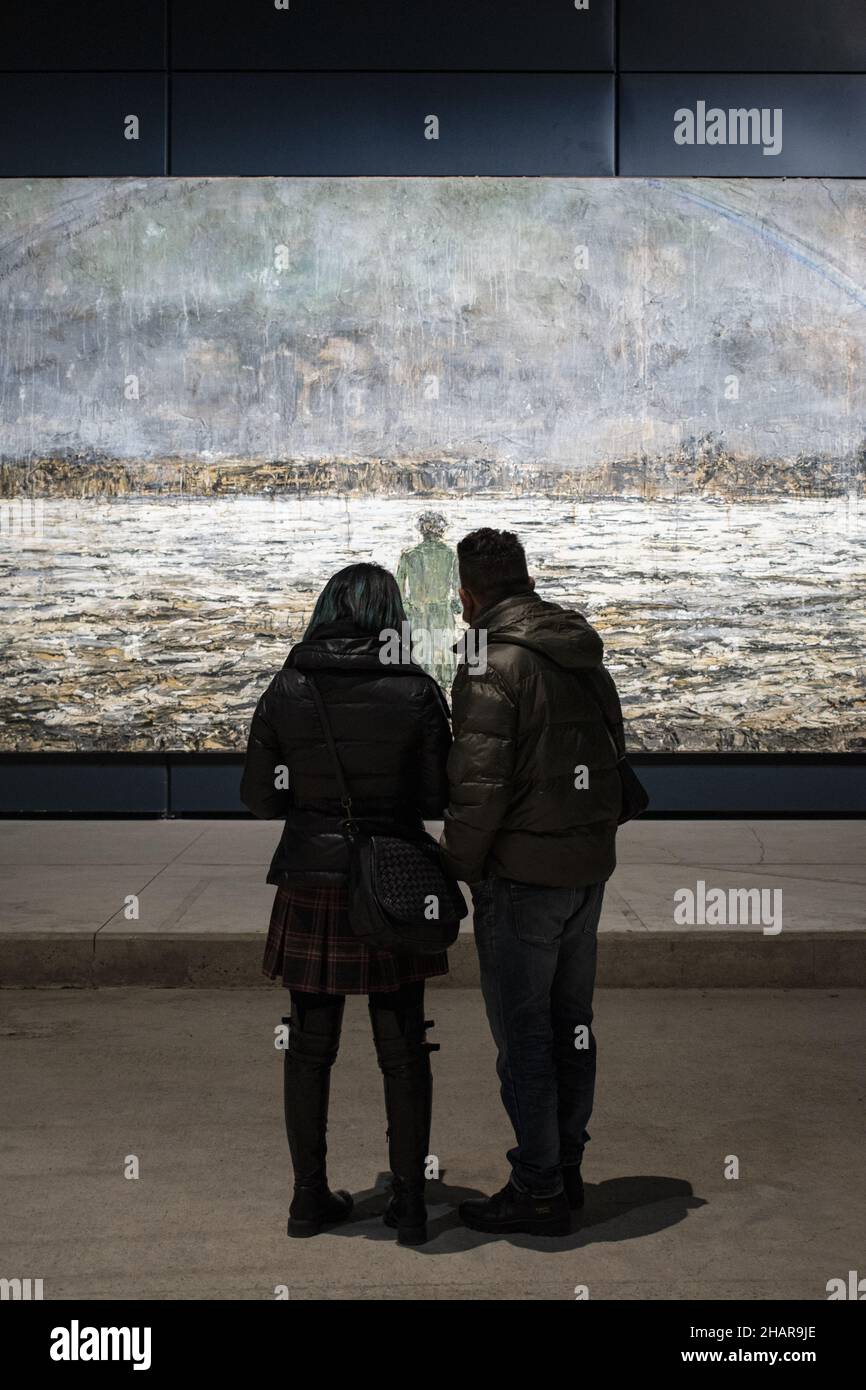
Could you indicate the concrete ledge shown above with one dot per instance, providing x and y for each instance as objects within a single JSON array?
[
  {"x": 50, "y": 958},
  {"x": 640, "y": 960}
]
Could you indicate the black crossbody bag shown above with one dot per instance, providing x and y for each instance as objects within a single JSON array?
[{"x": 400, "y": 898}]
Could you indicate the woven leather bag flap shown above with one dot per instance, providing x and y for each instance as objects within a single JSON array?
[{"x": 406, "y": 879}]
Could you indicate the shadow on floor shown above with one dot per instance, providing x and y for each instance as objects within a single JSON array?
[{"x": 620, "y": 1209}]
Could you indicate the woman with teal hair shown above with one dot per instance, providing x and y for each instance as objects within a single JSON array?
[{"x": 391, "y": 725}]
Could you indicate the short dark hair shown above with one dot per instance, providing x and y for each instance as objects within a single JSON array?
[
  {"x": 492, "y": 564},
  {"x": 365, "y": 594}
]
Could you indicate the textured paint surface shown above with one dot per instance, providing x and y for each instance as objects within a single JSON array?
[{"x": 225, "y": 388}]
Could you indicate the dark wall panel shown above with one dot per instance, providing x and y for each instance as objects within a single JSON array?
[
  {"x": 352, "y": 124},
  {"x": 822, "y": 126},
  {"x": 209, "y": 785},
  {"x": 742, "y": 35},
  {"x": 202, "y": 788},
  {"x": 383, "y": 34},
  {"x": 70, "y": 787},
  {"x": 88, "y": 34},
  {"x": 73, "y": 124},
  {"x": 738, "y": 788}
]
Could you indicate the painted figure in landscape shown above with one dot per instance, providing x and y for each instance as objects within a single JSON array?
[{"x": 428, "y": 581}]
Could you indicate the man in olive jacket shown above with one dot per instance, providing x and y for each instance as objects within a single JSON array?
[{"x": 531, "y": 825}]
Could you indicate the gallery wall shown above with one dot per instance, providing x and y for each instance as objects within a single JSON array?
[
  {"x": 275, "y": 278},
  {"x": 401, "y": 87}
]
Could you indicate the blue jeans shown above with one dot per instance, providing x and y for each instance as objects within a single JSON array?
[{"x": 537, "y": 948}]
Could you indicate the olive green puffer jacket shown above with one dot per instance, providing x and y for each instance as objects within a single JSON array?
[{"x": 534, "y": 788}]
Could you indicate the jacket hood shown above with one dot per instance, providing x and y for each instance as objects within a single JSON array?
[
  {"x": 344, "y": 648},
  {"x": 561, "y": 634}
]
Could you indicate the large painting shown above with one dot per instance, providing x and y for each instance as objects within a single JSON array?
[{"x": 214, "y": 392}]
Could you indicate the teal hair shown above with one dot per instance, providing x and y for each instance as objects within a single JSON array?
[{"x": 364, "y": 594}]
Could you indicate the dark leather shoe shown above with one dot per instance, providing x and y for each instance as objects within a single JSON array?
[
  {"x": 511, "y": 1212},
  {"x": 406, "y": 1213},
  {"x": 315, "y": 1207},
  {"x": 573, "y": 1186}
]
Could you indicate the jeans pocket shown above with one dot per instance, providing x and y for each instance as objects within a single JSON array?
[{"x": 538, "y": 914}]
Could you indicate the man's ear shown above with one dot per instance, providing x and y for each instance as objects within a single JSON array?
[
  {"x": 469, "y": 607},
  {"x": 531, "y": 582}
]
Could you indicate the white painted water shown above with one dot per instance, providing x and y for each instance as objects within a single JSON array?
[{"x": 146, "y": 624}]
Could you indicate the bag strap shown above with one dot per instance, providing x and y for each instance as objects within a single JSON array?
[
  {"x": 321, "y": 710},
  {"x": 596, "y": 700}
]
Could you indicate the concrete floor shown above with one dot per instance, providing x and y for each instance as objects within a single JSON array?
[
  {"x": 203, "y": 904},
  {"x": 189, "y": 1082}
]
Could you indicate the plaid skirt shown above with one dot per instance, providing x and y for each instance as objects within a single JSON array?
[{"x": 311, "y": 947}]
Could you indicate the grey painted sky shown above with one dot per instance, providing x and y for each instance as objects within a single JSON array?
[{"x": 430, "y": 317}]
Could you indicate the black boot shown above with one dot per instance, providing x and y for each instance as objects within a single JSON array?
[
  {"x": 573, "y": 1185},
  {"x": 314, "y": 1037},
  {"x": 510, "y": 1212},
  {"x": 571, "y": 1159},
  {"x": 404, "y": 1059},
  {"x": 406, "y": 1212}
]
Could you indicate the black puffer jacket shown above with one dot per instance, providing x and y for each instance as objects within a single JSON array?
[
  {"x": 521, "y": 730},
  {"x": 391, "y": 726}
]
